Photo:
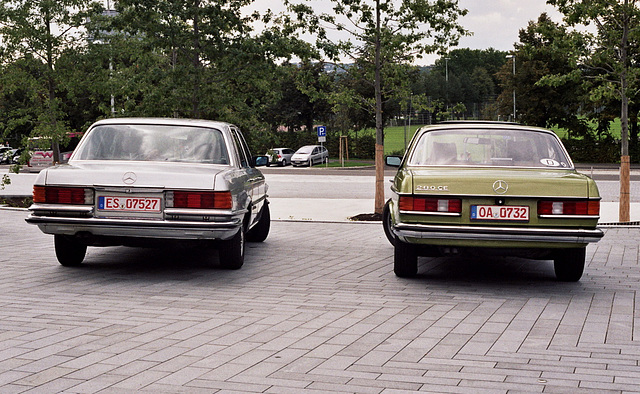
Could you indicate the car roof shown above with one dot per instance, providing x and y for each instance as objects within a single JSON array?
[
  {"x": 164, "y": 121},
  {"x": 471, "y": 124}
]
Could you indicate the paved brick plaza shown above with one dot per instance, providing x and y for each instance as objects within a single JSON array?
[{"x": 315, "y": 307}]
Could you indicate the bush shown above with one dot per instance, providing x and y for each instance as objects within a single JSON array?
[{"x": 589, "y": 150}]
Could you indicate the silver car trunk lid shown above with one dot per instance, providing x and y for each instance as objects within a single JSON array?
[{"x": 135, "y": 175}]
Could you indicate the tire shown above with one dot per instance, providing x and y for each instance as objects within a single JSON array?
[
  {"x": 386, "y": 224},
  {"x": 568, "y": 264},
  {"x": 283, "y": 163},
  {"x": 405, "y": 260},
  {"x": 69, "y": 252},
  {"x": 260, "y": 231},
  {"x": 231, "y": 252}
]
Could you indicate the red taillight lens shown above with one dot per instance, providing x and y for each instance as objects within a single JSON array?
[
  {"x": 202, "y": 200},
  {"x": 60, "y": 195},
  {"x": 426, "y": 204},
  {"x": 569, "y": 207}
]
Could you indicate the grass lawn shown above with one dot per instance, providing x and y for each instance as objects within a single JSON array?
[
  {"x": 615, "y": 129},
  {"x": 335, "y": 162},
  {"x": 394, "y": 137}
]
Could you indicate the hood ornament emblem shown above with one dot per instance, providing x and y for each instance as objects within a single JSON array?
[
  {"x": 500, "y": 187},
  {"x": 129, "y": 178}
]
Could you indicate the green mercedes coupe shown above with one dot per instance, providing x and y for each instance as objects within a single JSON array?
[{"x": 490, "y": 187}]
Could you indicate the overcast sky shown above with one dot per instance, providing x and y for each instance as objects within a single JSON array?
[{"x": 494, "y": 23}]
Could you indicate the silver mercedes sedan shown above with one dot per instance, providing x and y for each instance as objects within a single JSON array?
[{"x": 150, "y": 182}]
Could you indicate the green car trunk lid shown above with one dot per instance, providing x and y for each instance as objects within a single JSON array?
[{"x": 520, "y": 182}]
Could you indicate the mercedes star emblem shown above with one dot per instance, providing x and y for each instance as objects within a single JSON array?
[
  {"x": 129, "y": 178},
  {"x": 500, "y": 187}
]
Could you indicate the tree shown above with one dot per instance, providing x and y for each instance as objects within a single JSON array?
[
  {"x": 43, "y": 29},
  {"x": 199, "y": 59},
  {"x": 466, "y": 76},
  {"x": 542, "y": 51},
  {"x": 300, "y": 96},
  {"x": 609, "y": 61},
  {"x": 386, "y": 36}
]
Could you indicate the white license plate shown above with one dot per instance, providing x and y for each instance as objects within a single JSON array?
[
  {"x": 129, "y": 204},
  {"x": 499, "y": 212}
]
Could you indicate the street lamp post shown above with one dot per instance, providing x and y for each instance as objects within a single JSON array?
[
  {"x": 513, "y": 58},
  {"x": 446, "y": 79}
]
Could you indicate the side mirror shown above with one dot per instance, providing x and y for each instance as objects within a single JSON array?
[
  {"x": 260, "y": 161},
  {"x": 393, "y": 161}
]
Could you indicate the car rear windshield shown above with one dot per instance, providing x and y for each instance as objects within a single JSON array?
[
  {"x": 154, "y": 143},
  {"x": 489, "y": 147}
]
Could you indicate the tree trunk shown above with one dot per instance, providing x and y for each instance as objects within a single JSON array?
[
  {"x": 624, "y": 209},
  {"x": 195, "y": 97},
  {"x": 379, "y": 193},
  {"x": 624, "y": 214},
  {"x": 51, "y": 106}
]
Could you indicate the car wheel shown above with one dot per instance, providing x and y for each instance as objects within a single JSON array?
[
  {"x": 569, "y": 264},
  {"x": 231, "y": 251},
  {"x": 405, "y": 260},
  {"x": 283, "y": 163},
  {"x": 387, "y": 223},
  {"x": 69, "y": 252},
  {"x": 260, "y": 231}
]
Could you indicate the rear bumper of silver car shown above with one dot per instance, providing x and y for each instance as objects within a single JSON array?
[
  {"x": 216, "y": 229},
  {"x": 406, "y": 232}
]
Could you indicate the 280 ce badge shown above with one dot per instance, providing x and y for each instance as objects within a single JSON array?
[{"x": 432, "y": 188}]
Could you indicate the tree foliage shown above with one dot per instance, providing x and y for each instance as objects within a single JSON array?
[
  {"x": 607, "y": 59},
  {"x": 542, "y": 51},
  {"x": 42, "y": 30},
  {"x": 383, "y": 38}
]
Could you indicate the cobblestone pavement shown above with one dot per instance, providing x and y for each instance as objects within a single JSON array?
[{"x": 316, "y": 308}]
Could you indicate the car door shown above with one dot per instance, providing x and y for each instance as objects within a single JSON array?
[{"x": 254, "y": 182}]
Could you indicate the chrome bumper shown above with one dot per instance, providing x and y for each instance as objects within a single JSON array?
[
  {"x": 138, "y": 228},
  {"x": 478, "y": 233}
]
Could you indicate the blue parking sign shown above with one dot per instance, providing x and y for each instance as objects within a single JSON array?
[{"x": 322, "y": 131}]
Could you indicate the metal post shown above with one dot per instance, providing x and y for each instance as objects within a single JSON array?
[{"x": 513, "y": 58}]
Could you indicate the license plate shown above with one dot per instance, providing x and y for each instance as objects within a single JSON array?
[
  {"x": 129, "y": 204},
  {"x": 499, "y": 212}
]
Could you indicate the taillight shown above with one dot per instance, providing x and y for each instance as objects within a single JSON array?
[
  {"x": 199, "y": 200},
  {"x": 428, "y": 204},
  {"x": 62, "y": 195},
  {"x": 569, "y": 207}
]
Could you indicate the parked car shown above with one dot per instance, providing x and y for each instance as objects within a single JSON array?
[
  {"x": 310, "y": 155},
  {"x": 150, "y": 182},
  {"x": 279, "y": 156},
  {"x": 15, "y": 155},
  {"x": 3, "y": 150},
  {"x": 41, "y": 151},
  {"x": 6, "y": 154},
  {"x": 490, "y": 188}
]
